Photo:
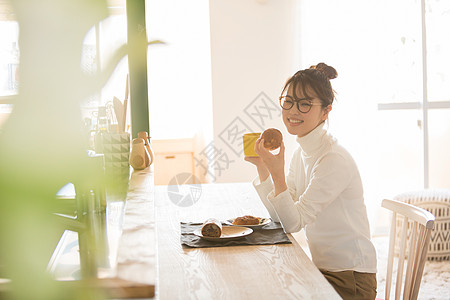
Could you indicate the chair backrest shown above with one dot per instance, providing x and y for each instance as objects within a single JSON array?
[{"x": 414, "y": 240}]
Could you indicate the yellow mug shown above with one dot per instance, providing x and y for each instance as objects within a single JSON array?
[{"x": 249, "y": 143}]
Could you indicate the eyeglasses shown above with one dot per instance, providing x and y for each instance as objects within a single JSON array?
[{"x": 303, "y": 104}]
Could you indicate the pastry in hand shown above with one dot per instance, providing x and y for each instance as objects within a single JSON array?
[
  {"x": 212, "y": 228},
  {"x": 247, "y": 220},
  {"x": 272, "y": 138}
]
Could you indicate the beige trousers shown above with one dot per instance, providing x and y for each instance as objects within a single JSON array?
[{"x": 352, "y": 284}]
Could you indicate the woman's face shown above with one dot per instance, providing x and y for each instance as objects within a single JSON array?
[{"x": 300, "y": 124}]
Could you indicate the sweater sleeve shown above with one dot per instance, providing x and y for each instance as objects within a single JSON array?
[
  {"x": 263, "y": 189},
  {"x": 266, "y": 188},
  {"x": 292, "y": 171},
  {"x": 329, "y": 179}
]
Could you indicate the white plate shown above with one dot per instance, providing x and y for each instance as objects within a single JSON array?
[
  {"x": 228, "y": 233},
  {"x": 264, "y": 221}
]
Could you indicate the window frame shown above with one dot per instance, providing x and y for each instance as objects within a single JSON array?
[{"x": 425, "y": 105}]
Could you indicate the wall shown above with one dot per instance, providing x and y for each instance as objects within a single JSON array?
[
  {"x": 252, "y": 55},
  {"x": 179, "y": 71}
]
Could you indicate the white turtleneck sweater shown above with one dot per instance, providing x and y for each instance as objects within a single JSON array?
[{"x": 324, "y": 196}]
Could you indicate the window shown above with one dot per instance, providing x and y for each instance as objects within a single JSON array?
[
  {"x": 393, "y": 103},
  {"x": 9, "y": 59},
  {"x": 98, "y": 46}
]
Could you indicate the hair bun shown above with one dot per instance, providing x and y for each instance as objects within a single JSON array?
[{"x": 327, "y": 70}]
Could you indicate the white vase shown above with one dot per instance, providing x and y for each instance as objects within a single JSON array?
[
  {"x": 144, "y": 135},
  {"x": 139, "y": 157}
]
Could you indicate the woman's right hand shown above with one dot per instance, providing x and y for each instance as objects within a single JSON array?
[{"x": 274, "y": 164}]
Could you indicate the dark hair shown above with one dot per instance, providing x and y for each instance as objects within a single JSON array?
[{"x": 318, "y": 79}]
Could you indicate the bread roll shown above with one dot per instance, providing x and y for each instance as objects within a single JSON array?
[
  {"x": 272, "y": 138},
  {"x": 212, "y": 228}
]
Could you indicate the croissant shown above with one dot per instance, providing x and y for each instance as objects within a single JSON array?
[{"x": 246, "y": 220}]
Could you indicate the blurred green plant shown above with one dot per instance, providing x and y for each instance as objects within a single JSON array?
[{"x": 42, "y": 145}]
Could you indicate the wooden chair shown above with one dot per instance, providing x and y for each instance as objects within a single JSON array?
[{"x": 414, "y": 239}]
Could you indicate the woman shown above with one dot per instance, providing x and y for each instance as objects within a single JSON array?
[{"x": 322, "y": 191}]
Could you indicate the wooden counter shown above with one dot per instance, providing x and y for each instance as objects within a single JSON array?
[{"x": 145, "y": 258}]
